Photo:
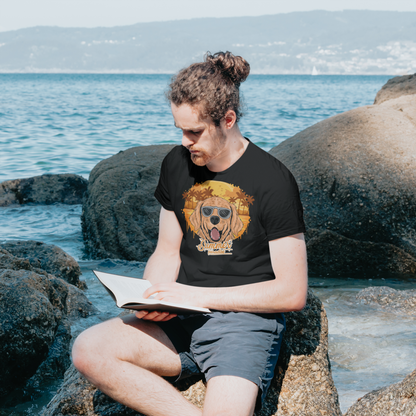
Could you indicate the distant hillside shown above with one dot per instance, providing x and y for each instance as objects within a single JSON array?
[{"x": 348, "y": 42}]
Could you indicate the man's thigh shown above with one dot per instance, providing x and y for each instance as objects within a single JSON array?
[
  {"x": 229, "y": 395},
  {"x": 129, "y": 339}
]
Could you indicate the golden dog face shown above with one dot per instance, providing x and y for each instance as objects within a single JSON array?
[{"x": 216, "y": 220}]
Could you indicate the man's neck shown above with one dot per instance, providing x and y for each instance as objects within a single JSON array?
[{"x": 235, "y": 147}]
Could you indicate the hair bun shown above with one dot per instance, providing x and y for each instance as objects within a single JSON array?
[{"x": 232, "y": 67}]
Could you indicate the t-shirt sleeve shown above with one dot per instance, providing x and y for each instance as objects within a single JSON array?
[
  {"x": 282, "y": 211},
  {"x": 162, "y": 189}
]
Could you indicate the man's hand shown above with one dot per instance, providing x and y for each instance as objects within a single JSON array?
[
  {"x": 176, "y": 293},
  {"x": 155, "y": 316},
  {"x": 169, "y": 292}
]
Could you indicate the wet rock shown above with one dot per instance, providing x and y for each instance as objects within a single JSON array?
[
  {"x": 396, "y": 400},
  {"x": 31, "y": 310},
  {"x": 356, "y": 175},
  {"x": 57, "y": 361},
  {"x": 44, "y": 189},
  {"x": 302, "y": 384},
  {"x": 35, "y": 311},
  {"x": 391, "y": 300},
  {"x": 396, "y": 87},
  {"x": 120, "y": 214},
  {"x": 47, "y": 257}
]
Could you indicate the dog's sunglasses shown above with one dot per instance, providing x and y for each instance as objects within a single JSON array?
[{"x": 224, "y": 213}]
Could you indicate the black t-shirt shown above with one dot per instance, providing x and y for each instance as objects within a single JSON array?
[{"x": 228, "y": 218}]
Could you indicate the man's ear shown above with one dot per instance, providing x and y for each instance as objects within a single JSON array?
[
  {"x": 230, "y": 119},
  {"x": 195, "y": 217},
  {"x": 236, "y": 223}
]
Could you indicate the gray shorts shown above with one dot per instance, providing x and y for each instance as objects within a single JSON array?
[{"x": 238, "y": 344}]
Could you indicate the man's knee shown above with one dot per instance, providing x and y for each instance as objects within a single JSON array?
[{"x": 84, "y": 352}]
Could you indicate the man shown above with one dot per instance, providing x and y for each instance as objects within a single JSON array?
[{"x": 231, "y": 240}]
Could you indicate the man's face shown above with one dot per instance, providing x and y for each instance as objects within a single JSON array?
[{"x": 201, "y": 137}]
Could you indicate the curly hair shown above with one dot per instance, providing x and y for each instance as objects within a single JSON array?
[{"x": 213, "y": 83}]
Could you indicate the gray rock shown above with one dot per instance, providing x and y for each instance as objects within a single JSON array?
[
  {"x": 396, "y": 400},
  {"x": 391, "y": 300},
  {"x": 45, "y": 189},
  {"x": 302, "y": 385},
  {"x": 356, "y": 175},
  {"x": 47, "y": 257},
  {"x": 120, "y": 214},
  {"x": 396, "y": 87}
]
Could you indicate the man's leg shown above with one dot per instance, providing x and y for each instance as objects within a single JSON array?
[
  {"x": 124, "y": 358},
  {"x": 230, "y": 396}
]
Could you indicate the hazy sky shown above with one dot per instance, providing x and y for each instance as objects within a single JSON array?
[{"x": 17, "y": 14}]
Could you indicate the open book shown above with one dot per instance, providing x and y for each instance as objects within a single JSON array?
[{"x": 127, "y": 292}]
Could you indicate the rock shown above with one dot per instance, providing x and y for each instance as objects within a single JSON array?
[
  {"x": 35, "y": 311},
  {"x": 302, "y": 384},
  {"x": 355, "y": 256},
  {"x": 392, "y": 300},
  {"x": 396, "y": 87},
  {"x": 57, "y": 360},
  {"x": 396, "y": 400},
  {"x": 45, "y": 189},
  {"x": 356, "y": 175},
  {"x": 120, "y": 214},
  {"x": 47, "y": 257},
  {"x": 31, "y": 310}
]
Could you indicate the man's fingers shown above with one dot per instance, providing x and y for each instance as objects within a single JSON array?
[
  {"x": 141, "y": 314},
  {"x": 155, "y": 316}
]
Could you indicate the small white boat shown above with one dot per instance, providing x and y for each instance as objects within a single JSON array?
[{"x": 314, "y": 71}]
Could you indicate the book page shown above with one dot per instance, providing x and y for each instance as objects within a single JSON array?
[
  {"x": 123, "y": 287},
  {"x": 128, "y": 293}
]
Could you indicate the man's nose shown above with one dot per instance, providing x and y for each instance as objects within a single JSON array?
[{"x": 186, "y": 141}]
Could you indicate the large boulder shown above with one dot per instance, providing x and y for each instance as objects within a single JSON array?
[
  {"x": 302, "y": 384},
  {"x": 396, "y": 87},
  {"x": 35, "y": 311},
  {"x": 356, "y": 175},
  {"x": 120, "y": 214},
  {"x": 396, "y": 400},
  {"x": 47, "y": 257},
  {"x": 65, "y": 188}
]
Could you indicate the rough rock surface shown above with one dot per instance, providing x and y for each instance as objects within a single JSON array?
[
  {"x": 396, "y": 400},
  {"x": 392, "y": 300},
  {"x": 356, "y": 173},
  {"x": 396, "y": 87},
  {"x": 302, "y": 385},
  {"x": 44, "y": 189},
  {"x": 31, "y": 309},
  {"x": 35, "y": 310},
  {"x": 120, "y": 214},
  {"x": 47, "y": 257}
]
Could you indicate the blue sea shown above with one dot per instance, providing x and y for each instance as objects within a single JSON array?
[{"x": 65, "y": 123}]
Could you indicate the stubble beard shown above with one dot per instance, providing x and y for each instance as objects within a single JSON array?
[{"x": 203, "y": 158}]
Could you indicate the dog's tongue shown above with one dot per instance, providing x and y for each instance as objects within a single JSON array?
[{"x": 215, "y": 234}]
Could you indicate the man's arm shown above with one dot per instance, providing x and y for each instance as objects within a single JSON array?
[
  {"x": 287, "y": 292},
  {"x": 163, "y": 265}
]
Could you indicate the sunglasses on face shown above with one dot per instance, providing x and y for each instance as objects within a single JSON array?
[{"x": 224, "y": 213}]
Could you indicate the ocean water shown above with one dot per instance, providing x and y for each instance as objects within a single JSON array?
[
  {"x": 68, "y": 123},
  {"x": 57, "y": 123}
]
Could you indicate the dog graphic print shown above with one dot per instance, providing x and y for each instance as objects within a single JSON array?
[{"x": 218, "y": 213}]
